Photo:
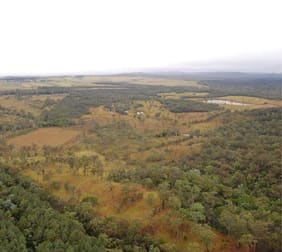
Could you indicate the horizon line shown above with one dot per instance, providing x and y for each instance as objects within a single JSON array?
[{"x": 106, "y": 73}]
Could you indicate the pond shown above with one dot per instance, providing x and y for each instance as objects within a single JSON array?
[{"x": 226, "y": 102}]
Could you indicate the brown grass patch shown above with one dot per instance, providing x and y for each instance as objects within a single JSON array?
[
  {"x": 46, "y": 136},
  {"x": 24, "y": 104},
  {"x": 55, "y": 97},
  {"x": 156, "y": 117}
]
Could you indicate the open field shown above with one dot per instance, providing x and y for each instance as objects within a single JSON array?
[
  {"x": 155, "y": 117},
  {"x": 26, "y": 105},
  {"x": 34, "y": 104},
  {"x": 55, "y": 97},
  {"x": 45, "y": 136}
]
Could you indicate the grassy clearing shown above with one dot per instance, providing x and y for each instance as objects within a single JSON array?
[
  {"x": 19, "y": 104},
  {"x": 156, "y": 118},
  {"x": 10, "y": 85},
  {"x": 45, "y": 136},
  {"x": 55, "y": 97},
  {"x": 29, "y": 104}
]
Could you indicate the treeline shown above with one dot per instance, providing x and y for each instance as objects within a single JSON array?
[{"x": 29, "y": 222}]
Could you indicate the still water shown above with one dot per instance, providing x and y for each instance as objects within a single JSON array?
[{"x": 216, "y": 101}]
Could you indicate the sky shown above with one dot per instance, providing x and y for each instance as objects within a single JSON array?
[{"x": 81, "y": 36}]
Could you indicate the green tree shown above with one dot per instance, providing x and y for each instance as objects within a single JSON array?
[
  {"x": 206, "y": 235},
  {"x": 164, "y": 193},
  {"x": 195, "y": 213}
]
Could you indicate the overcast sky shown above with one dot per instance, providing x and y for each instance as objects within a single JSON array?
[{"x": 64, "y": 36}]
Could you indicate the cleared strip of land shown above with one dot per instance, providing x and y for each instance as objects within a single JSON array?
[{"x": 46, "y": 136}]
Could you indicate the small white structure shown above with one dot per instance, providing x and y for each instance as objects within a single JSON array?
[{"x": 140, "y": 113}]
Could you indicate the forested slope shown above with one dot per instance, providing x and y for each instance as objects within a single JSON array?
[
  {"x": 232, "y": 183},
  {"x": 237, "y": 176},
  {"x": 28, "y": 222}
]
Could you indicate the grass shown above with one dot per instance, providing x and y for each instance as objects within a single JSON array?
[
  {"x": 45, "y": 136},
  {"x": 55, "y": 97},
  {"x": 21, "y": 104},
  {"x": 29, "y": 104},
  {"x": 156, "y": 118}
]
